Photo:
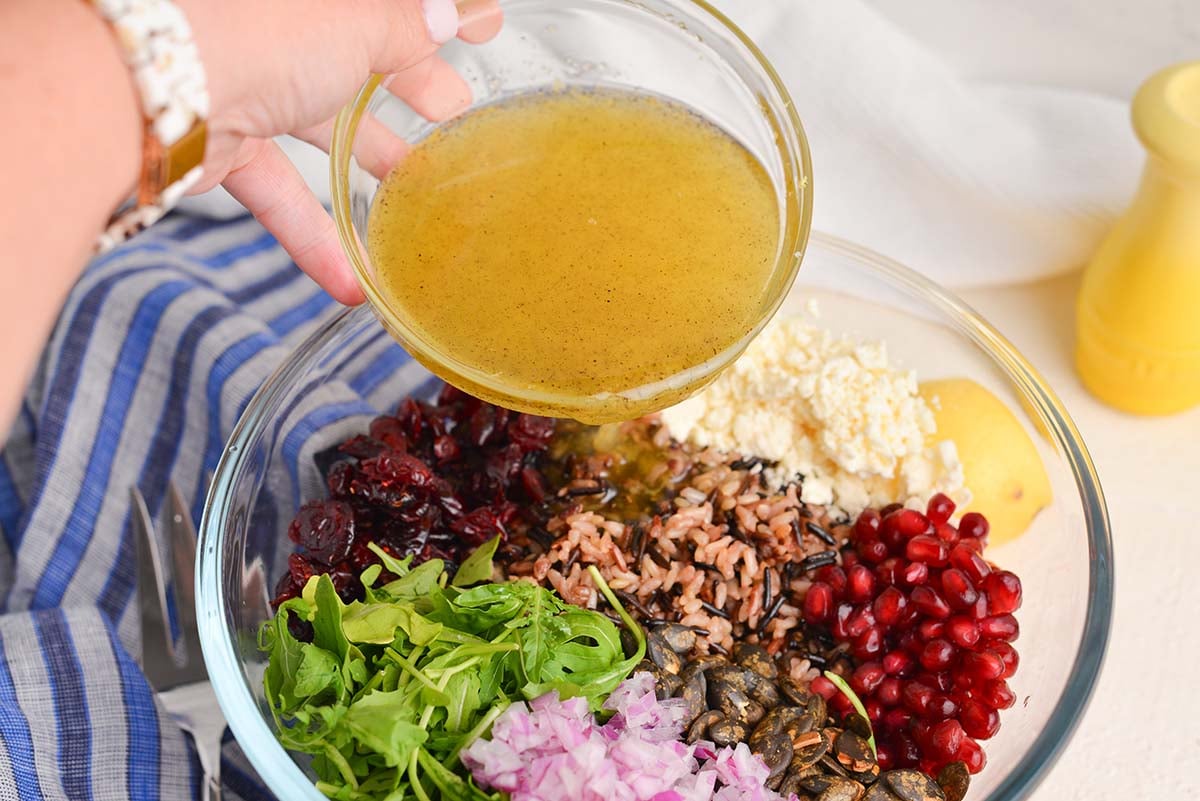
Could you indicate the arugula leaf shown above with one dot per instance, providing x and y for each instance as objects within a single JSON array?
[
  {"x": 478, "y": 566},
  {"x": 391, "y": 689},
  {"x": 327, "y": 622},
  {"x": 386, "y": 723},
  {"x": 420, "y": 581},
  {"x": 390, "y": 563},
  {"x": 377, "y": 623},
  {"x": 318, "y": 676}
]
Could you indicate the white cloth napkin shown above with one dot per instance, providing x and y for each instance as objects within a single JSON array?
[{"x": 978, "y": 142}]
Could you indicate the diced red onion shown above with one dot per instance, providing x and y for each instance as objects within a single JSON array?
[{"x": 554, "y": 749}]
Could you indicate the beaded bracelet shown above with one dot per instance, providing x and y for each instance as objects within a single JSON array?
[{"x": 156, "y": 42}]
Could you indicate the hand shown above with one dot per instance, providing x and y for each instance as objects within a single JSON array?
[{"x": 287, "y": 67}]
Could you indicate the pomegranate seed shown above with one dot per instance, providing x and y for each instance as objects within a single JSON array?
[
  {"x": 939, "y": 508},
  {"x": 996, "y": 694},
  {"x": 872, "y": 551},
  {"x": 835, "y": 577},
  {"x": 890, "y": 606},
  {"x": 938, "y": 654},
  {"x": 908, "y": 754},
  {"x": 859, "y": 621},
  {"x": 928, "y": 602},
  {"x": 841, "y": 705},
  {"x": 916, "y": 574},
  {"x": 962, "y": 631},
  {"x": 930, "y": 630},
  {"x": 927, "y": 549},
  {"x": 917, "y": 697},
  {"x": 1008, "y": 655},
  {"x": 897, "y": 663},
  {"x": 867, "y": 525},
  {"x": 979, "y": 609},
  {"x": 885, "y": 756},
  {"x": 1003, "y": 591},
  {"x": 860, "y": 584},
  {"x": 890, "y": 571},
  {"x": 908, "y": 522},
  {"x": 824, "y": 687},
  {"x": 869, "y": 644},
  {"x": 818, "y": 603},
  {"x": 974, "y": 525},
  {"x": 850, "y": 558},
  {"x": 897, "y": 720},
  {"x": 983, "y": 665},
  {"x": 840, "y": 619},
  {"x": 874, "y": 711},
  {"x": 972, "y": 754},
  {"x": 867, "y": 677},
  {"x": 947, "y": 534},
  {"x": 894, "y": 539},
  {"x": 942, "y": 680},
  {"x": 969, "y": 562},
  {"x": 978, "y": 720},
  {"x": 958, "y": 590},
  {"x": 889, "y": 690},
  {"x": 946, "y": 738},
  {"x": 1000, "y": 627},
  {"x": 970, "y": 543},
  {"x": 942, "y": 707}
]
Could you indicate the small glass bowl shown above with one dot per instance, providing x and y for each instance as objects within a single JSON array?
[
  {"x": 350, "y": 370},
  {"x": 681, "y": 50}
]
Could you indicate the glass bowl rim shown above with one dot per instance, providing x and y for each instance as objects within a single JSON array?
[
  {"x": 282, "y": 775},
  {"x": 791, "y": 143}
]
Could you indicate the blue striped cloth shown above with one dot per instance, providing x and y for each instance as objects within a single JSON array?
[{"x": 153, "y": 359}]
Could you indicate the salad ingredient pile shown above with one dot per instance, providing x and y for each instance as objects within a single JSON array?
[{"x": 780, "y": 648}]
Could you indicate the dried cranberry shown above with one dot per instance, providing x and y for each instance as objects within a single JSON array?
[
  {"x": 390, "y": 432},
  {"x": 325, "y": 529},
  {"x": 361, "y": 447},
  {"x": 446, "y": 449},
  {"x": 478, "y": 526},
  {"x": 530, "y": 432}
]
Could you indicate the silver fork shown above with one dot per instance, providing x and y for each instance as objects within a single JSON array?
[{"x": 174, "y": 665}]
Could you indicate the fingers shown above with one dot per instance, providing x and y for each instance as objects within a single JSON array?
[
  {"x": 432, "y": 88},
  {"x": 479, "y": 20},
  {"x": 270, "y": 187},
  {"x": 376, "y": 147}
]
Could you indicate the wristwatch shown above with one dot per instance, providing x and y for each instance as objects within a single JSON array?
[{"x": 156, "y": 43}]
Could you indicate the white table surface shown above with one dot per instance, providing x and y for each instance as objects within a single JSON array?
[{"x": 1140, "y": 737}]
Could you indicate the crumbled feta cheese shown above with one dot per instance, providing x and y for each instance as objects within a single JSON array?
[{"x": 830, "y": 409}]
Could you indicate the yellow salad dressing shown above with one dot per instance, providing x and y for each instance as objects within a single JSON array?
[{"x": 577, "y": 244}]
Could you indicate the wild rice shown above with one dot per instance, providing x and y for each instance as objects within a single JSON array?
[{"x": 728, "y": 557}]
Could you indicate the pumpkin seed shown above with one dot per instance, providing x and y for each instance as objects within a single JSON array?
[
  {"x": 661, "y": 654},
  {"x": 756, "y": 658},
  {"x": 954, "y": 779},
  {"x": 681, "y": 639},
  {"x": 854, "y": 754},
  {"x": 913, "y": 785},
  {"x": 728, "y": 732},
  {"x": 700, "y": 726},
  {"x": 842, "y": 790}
]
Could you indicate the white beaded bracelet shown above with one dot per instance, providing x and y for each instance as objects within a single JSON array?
[{"x": 156, "y": 42}]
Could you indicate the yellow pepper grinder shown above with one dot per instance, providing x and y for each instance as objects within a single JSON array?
[{"x": 1138, "y": 315}]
